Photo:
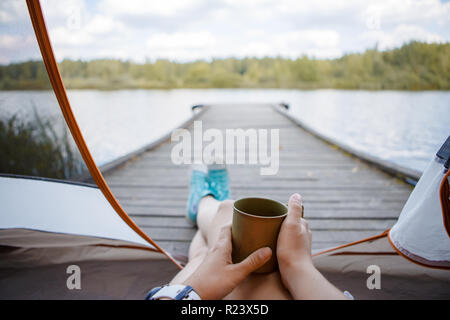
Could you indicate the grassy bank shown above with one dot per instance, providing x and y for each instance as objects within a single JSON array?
[
  {"x": 32, "y": 147},
  {"x": 414, "y": 66}
]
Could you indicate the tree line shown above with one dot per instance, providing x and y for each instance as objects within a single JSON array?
[{"x": 413, "y": 66}]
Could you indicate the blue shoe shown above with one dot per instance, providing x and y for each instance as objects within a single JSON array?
[
  {"x": 199, "y": 188},
  {"x": 219, "y": 181}
]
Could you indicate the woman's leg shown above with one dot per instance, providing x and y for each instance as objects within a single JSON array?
[
  {"x": 206, "y": 213},
  {"x": 197, "y": 252},
  {"x": 212, "y": 214},
  {"x": 266, "y": 286}
]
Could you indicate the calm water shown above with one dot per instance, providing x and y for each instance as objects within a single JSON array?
[{"x": 404, "y": 127}]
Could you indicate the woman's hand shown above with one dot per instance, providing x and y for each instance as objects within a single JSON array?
[
  {"x": 294, "y": 241},
  {"x": 217, "y": 276},
  {"x": 298, "y": 273}
]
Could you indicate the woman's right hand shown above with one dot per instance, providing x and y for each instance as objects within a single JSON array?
[
  {"x": 294, "y": 242},
  {"x": 297, "y": 271}
]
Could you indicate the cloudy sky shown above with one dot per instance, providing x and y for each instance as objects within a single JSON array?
[{"x": 202, "y": 29}]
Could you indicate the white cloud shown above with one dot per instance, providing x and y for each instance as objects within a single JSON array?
[
  {"x": 87, "y": 33},
  {"x": 295, "y": 6},
  {"x": 16, "y": 41},
  {"x": 101, "y": 25},
  {"x": 196, "y": 45},
  {"x": 314, "y": 42},
  {"x": 97, "y": 34},
  {"x": 314, "y": 38},
  {"x": 62, "y": 37},
  {"x": 145, "y": 7},
  {"x": 407, "y": 11},
  {"x": 188, "y": 40},
  {"x": 8, "y": 42},
  {"x": 61, "y": 12},
  {"x": 178, "y": 44},
  {"x": 400, "y": 35},
  {"x": 12, "y": 11}
]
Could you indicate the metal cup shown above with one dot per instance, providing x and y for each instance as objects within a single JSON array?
[{"x": 256, "y": 224}]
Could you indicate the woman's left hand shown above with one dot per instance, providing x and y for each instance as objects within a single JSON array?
[{"x": 217, "y": 276}]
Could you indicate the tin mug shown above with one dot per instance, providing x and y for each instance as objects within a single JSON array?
[{"x": 256, "y": 224}]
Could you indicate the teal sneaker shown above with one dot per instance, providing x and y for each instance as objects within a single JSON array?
[
  {"x": 199, "y": 188},
  {"x": 219, "y": 181}
]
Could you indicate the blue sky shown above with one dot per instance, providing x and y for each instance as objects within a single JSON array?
[{"x": 203, "y": 29}]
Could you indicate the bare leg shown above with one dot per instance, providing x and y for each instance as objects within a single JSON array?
[
  {"x": 260, "y": 287},
  {"x": 207, "y": 209},
  {"x": 212, "y": 215},
  {"x": 197, "y": 252}
]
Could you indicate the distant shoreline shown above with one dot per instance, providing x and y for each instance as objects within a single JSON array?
[
  {"x": 416, "y": 66},
  {"x": 236, "y": 88}
]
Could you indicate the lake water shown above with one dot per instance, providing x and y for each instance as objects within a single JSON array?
[{"x": 403, "y": 127}]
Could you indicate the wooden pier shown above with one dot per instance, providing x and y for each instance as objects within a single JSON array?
[{"x": 345, "y": 198}]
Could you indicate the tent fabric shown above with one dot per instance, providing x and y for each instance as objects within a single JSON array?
[
  {"x": 419, "y": 233},
  {"x": 59, "y": 248},
  {"x": 347, "y": 268},
  {"x": 445, "y": 201},
  {"x": 121, "y": 273},
  {"x": 106, "y": 272},
  {"x": 62, "y": 208},
  {"x": 46, "y": 226}
]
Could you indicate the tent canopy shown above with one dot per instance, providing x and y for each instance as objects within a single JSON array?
[{"x": 420, "y": 232}]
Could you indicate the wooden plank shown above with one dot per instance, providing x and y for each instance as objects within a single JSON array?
[
  {"x": 170, "y": 234},
  {"x": 152, "y": 192},
  {"x": 314, "y": 223},
  {"x": 176, "y": 247},
  {"x": 310, "y": 201},
  {"x": 369, "y": 205},
  {"x": 186, "y": 234},
  {"x": 376, "y": 213},
  {"x": 149, "y": 221},
  {"x": 353, "y": 186},
  {"x": 239, "y": 180}
]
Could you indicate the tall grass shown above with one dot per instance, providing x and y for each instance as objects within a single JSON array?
[{"x": 33, "y": 147}]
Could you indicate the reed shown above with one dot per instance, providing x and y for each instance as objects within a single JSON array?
[{"x": 33, "y": 147}]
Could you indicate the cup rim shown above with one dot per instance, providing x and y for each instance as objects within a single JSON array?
[{"x": 260, "y": 217}]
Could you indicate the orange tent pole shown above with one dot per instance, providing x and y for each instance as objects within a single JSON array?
[
  {"x": 444, "y": 194},
  {"x": 40, "y": 29}
]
